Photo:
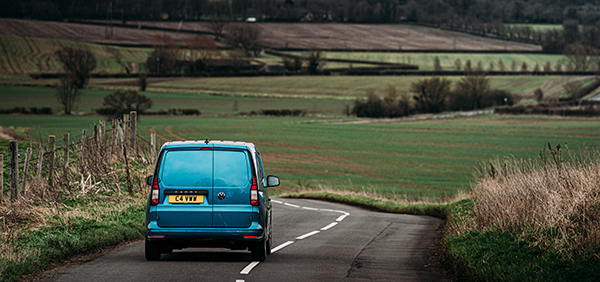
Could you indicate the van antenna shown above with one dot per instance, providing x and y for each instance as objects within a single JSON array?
[{"x": 206, "y": 142}]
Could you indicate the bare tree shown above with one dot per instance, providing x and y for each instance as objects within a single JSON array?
[
  {"x": 164, "y": 56},
  {"x": 78, "y": 64},
  {"x": 314, "y": 62},
  {"x": 202, "y": 48},
  {"x": 580, "y": 56},
  {"x": 436, "y": 64},
  {"x": 458, "y": 64},
  {"x": 245, "y": 37},
  {"x": 217, "y": 27},
  {"x": 67, "y": 94},
  {"x": 474, "y": 86}
]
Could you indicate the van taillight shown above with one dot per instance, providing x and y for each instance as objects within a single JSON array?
[
  {"x": 254, "y": 192},
  {"x": 155, "y": 192}
]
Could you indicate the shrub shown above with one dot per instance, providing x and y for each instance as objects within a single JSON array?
[
  {"x": 122, "y": 102},
  {"x": 430, "y": 94},
  {"x": 283, "y": 112},
  {"x": 375, "y": 107}
]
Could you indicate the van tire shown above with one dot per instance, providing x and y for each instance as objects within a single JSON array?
[
  {"x": 152, "y": 251},
  {"x": 259, "y": 251}
]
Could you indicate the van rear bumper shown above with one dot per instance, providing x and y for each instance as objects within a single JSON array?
[{"x": 253, "y": 233}]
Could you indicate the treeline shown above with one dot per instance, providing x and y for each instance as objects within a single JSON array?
[
  {"x": 433, "y": 95},
  {"x": 355, "y": 11}
]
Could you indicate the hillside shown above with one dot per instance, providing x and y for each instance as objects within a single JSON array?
[{"x": 275, "y": 35}]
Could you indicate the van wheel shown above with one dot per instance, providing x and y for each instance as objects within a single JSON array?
[
  {"x": 259, "y": 251},
  {"x": 152, "y": 250}
]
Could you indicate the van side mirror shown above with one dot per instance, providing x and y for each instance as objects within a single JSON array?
[
  {"x": 272, "y": 181},
  {"x": 149, "y": 179}
]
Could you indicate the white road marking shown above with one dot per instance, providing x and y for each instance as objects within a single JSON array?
[
  {"x": 291, "y": 205},
  {"x": 329, "y": 226},
  {"x": 281, "y": 246},
  {"x": 307, "y": 235},
  {"x": 253, "y": 264},
  {"x": 239, "y": 280},
  {"x": 249, "y": 267}
]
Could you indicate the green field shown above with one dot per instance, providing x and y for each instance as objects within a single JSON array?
[
  {"x": 415, "y": 160},
  {"x": 539, "y": 27},
  {"x": 425, "y": 61},
  {"x": 316, "y": 94}
]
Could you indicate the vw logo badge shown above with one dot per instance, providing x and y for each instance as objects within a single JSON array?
[{"x": 221, "y": 196}]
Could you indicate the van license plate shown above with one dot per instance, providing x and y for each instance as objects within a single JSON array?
[{"x": 185, "y": 199}]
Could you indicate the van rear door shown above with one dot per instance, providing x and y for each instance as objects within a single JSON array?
[
  {"x": 232, "y": 183},
  {"x": 186, "y": 185}
]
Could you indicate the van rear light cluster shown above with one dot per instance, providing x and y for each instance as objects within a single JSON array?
[
  {"x": 155, "y": 192},
  {"x": 254, "y": 192}
]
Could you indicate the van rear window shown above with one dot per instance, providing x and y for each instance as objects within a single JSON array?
[
  {"x": 187, "y": 168},
  {"x": 232, "y": 169}
]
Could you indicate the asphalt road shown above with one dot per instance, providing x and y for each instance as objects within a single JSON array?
[{"x": 312, "y": 241}]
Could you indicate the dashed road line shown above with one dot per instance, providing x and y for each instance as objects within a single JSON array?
[
  {"x": 249, "y": 268},
  {"x": 291, "y": 205},
  {"x": 282, "y": 246},
  {"x": 307, "y": 235},
  {"x": 329, "y": 226},
  {"x": 253, "y": 264}
]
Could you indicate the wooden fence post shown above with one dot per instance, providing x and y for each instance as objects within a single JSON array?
[
  {"x": 103, "y": 133},
  {"x": 1, "y": 178},
  {"x": 96, "y": 137},
  {"x": 132, "y": 132},
  {"x": 125, "y": 127},
  {"x": 25, "y": 169},
  {"x": 40, "y": 161},
  {"x": 13, "y": 148},
  {"x": 66, "y": 144},
  {"x": 153, "y": 144},
  {"x": 113, "y": 138},
  {"x": 124, "y": 149},
  {"x": 51, "y": 140}
]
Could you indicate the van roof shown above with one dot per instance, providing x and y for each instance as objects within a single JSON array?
[{"x": 248, "y": 145}]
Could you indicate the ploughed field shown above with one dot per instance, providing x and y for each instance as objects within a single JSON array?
[{"x": 275, "y": 35}]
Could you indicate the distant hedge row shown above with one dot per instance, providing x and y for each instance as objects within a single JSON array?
[
  {"x": 586, "y": 111},
  {"x": 26, "y": 111}
]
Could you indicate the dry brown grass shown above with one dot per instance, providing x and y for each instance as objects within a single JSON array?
[{"x": 553, "y": 199}]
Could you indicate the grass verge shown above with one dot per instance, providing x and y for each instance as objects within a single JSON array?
[
  {"x": 436, "y": 210},
  {"x": 529, "y": 220},
  {"x": 36, "y": 249}
]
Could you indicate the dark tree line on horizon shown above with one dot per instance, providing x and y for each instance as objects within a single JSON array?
[{"x": 352, "y": 11}]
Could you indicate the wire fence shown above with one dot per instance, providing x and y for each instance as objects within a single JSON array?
[{"x": 97, "y": 159}]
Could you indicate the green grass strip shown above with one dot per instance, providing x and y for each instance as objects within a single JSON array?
[
  {"x": 50, "y": 246},
  {"x": 436, "y": 210}
]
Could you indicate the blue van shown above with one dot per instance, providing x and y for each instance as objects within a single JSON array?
[{"x": 209, "y": 194}]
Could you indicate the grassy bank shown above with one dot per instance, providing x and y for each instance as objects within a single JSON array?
[
  {"x": 83, "y": 211},
  {"x": 533, "y": 220},
  {"x": 38, "y": 236}
]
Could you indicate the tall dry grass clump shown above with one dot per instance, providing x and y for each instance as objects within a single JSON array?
[{"x": 553, "y": 199}]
